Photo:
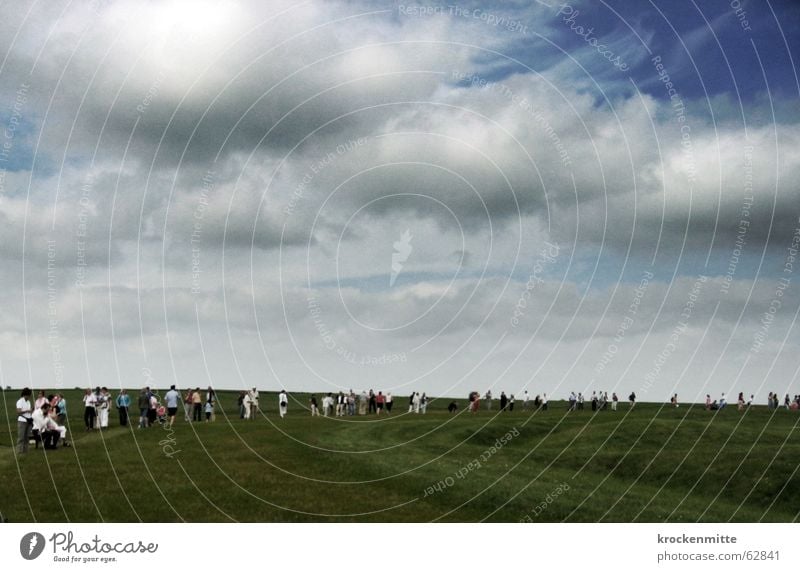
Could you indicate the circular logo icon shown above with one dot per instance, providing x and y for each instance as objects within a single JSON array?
[{"x": 31, "y": 546}]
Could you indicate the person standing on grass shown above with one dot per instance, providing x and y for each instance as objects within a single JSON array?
[
  {"x": 197, "y": 405},
  {"x": 525, "y": 400},
  {"x": 614, "y": 401},
  {"x": 474, "y": 402},
  {"x": 209, "y": 408},
  {"x": 152, "y": 409},
  {"x": 240, "y": 403},
  {"x": 188, "y": 405},
  {"x": 254, "y": 403},
  {"x": 488, "y": 398},
  {"x": 283, "y": 403},
  {"x": 503, "y": 401},
  {"x": 172, "y": 398},
  {"x": 544, "y": 402},
  {"x": 423, "y": 403},
  {"x": 362, "y": 403},
  {"x": 411, "y": 402},
  {"x": 380, "y": 399},
  {"x": 61, "y": 410},
  {"x": 211, "y": 397},
  {"x": 388, "y": 403},
  {"x": 144, "y": 406},
  {"x": 89, "y": 410},
  {"x": 416, "y": 402},
  {"x": 24, "y": 420},
  {"x": 103, "y": 406},
  {"x": 373, "y": 404},
  {"x": 580, "y": 401},
  {"x": 313, "y": 403},
  {"x": 246, "y": 405},
  {"x": 327, "y": 405},
  {"x": 123, "y": 403},
  {"x": 632, "y": 399},
  {"x": 740, "y": 401},
  {"x": 511, "y": 402}
]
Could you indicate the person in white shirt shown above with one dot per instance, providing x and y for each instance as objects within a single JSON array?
[
  {"x": 283, "y": 403},
  {"x": 544, "y": 401},
  {"x": 415, "y": 402},
  {"x": 253, "y": 403},
  {"x": 49, "y": 431},
  {"x": 247, "y": 403},
  {"x": 327, "y": 405},
  {"x": 525, "y": 400},
  {"x": 89, "y": 409},
  {"x": 24, "y": 420},
  {"x": 102, "y": 408}
]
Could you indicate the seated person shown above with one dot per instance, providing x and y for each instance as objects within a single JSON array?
[{"x": 49, "y": 431}]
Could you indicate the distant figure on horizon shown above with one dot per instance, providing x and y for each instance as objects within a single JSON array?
[
  {"x": 580, "y": 401},
  {"x": 722, "y": 402},
  {"x": 525, "y": 400},
  {"x": 197, "y": 405},
  {"x": 172, "y": 397},
  {"x": 389, "y": 402},
  {"x": 474, "y": 401},
  {"x": 327, "y": 405},
  {"x": 89, "y": 410},
  {"x": 423, "y": 403},
  {"x": 415, "y": 400},
  {"x": 313, "y": 404},
  {"x": 614, "y": 401},
  {"x": 740, "y": 401},
  {"x": 503, "y": 401},
  {"x": 380, "y": 399},
  {"x": 632, "y": 399},
  {"x": 254, "y": 403},
  {"x": 187, "y": 405},
  {"x": 123, "y": 403},
  {"x": 544, "y": 402},
  {"x": 708, "y": 401},
  {"x": 488, "y": 398},
  {"x": 453, "y": 407},
  {"x": 144, "y": 406},
  {"x": 511, "y": 402},
  {"x": 247, "y": 406},
  {"x": 283, "y": 403}
]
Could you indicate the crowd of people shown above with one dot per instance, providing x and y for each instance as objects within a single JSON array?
[
  {"x": 344, "y": 404},
  {"x": 45, "y": 419}
]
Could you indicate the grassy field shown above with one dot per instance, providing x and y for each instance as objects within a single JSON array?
[{"x": 648, "y": 464}]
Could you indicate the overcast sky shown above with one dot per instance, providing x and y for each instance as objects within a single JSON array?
[{"x": 405, "y": 197}]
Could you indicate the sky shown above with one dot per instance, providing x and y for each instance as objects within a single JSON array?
[{"x": 432, "y": 197}]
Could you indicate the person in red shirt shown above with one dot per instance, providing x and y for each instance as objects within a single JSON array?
[{"x": 379, "y": 401}]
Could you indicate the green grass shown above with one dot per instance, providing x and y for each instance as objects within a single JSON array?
[{"x": 651, "y": 464}]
